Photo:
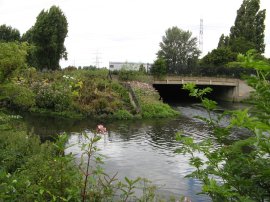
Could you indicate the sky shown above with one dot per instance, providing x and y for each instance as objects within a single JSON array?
[{"x": 128, "y": 30}]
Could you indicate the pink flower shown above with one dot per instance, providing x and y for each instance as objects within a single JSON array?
[{"x": 101, "y": 129}]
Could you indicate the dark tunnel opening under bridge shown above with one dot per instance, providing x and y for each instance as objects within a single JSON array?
[{"x": 174, "y": 93}]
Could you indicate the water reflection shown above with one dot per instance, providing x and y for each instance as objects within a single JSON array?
[
  {"x": 146, "y": 149},
  {"x": 136, "y": 148},
  {"x": 142, "y": 148}
]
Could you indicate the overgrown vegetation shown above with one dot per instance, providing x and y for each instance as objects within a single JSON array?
[
  {"x": 234, "y": 170},
  {"x": 132, "y": 75},
  {"x": 35, "y": 171},
  {"x": 70, "y": 93},
  {"x": 231, "y": 170},
  {"x": 148, "y": 98}
]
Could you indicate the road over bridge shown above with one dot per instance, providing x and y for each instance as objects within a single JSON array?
[{"x": 227, "y": 89}]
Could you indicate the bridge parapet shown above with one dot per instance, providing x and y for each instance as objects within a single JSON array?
[{"x": 212, "y": 81}]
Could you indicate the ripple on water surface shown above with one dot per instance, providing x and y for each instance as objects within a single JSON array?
[{"x": 148, "y": 151}]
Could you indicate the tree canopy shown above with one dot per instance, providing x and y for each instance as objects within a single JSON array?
[
  {"x": 248, "y": 29},
  {"x": 218, "y": 57},
  {"x": 9, "y": 34},
  {"x": 249, "y": 25},
  {"x": 48, "y": 37},
  {"x": 247, "y": 33},
  {"x": 178, "y": 49}
]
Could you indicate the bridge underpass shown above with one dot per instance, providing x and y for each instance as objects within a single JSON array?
[
  {"x": 225, "y": 89},
  {"x": 175, "y": 93}
]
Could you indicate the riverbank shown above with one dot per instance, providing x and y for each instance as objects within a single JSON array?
[
  {"x": 80, "y": 94},
  {"x": 42, "y": 171},
  {"x": 132, "y": 148}
]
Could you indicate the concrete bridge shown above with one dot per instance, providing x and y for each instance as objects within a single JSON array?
[{"x": 226, "y": 89}]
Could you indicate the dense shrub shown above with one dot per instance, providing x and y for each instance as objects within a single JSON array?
[
  {"x": 76, "y": 93},
  {"x": 159, "y": 68},
  {"x": 17, "y": 96},
  {"x": 151, "y": 106},
  {"x": 53, "y": 97},
  {"x": 157, "y": 110},
  {"x": 96, "y": 97},
  {"x": 122, "y": 92},
  {"x": 233, "y": 169},
  {"x": 122, "y": 115},
  {"x": 32, "y": 171},
  {"x": 12, "y": 57},
  {"x": 87, "y": 74},
  {"x": 16, "y": 147},
  {"x": 131, "y": 75}
]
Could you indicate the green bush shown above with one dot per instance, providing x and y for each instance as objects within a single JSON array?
[
  {"x": 232, "y": 169},
  {"x": 12, "y": 57},
  {"x": 122, "y": 115},
  {"x": 31, "y": 171},
  {"x": 131, "y": 75},
  {"x": 157, "y": 110},
  {"x": 159, "y": 68},
  {"x": 86, "y": 74},
  {"x": 15, "y": 149},
  {"x": 121, "y": 91},
  {"x": 17, "y": 96},
  {"x": 96, "y": 97},
  {"x": 53, "y": 98}
]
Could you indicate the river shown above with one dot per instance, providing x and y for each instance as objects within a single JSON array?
[{"x": 142, "y": 148}]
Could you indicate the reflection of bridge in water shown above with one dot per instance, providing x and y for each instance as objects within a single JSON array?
[{"x": 226, "y": 89}]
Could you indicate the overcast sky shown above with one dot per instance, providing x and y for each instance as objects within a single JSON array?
[{"x": 128, "y": 30}]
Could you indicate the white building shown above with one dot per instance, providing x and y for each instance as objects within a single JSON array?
[{"x": 129, "y": 66}]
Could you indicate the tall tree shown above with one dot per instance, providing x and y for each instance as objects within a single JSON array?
[
  {"x": 48, "y": 37},
  {"x": 249, "y": 25},
  {"x": 223, "y": 41},
  {"x": 247, "y": 33},
  {"x": 178, "y": 49},
  {"x": 9, "y": 34}
]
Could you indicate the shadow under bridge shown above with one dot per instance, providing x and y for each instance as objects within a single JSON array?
[{"x": 225, "y": 89}]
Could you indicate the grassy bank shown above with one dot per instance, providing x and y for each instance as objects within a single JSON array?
[{"x": 78, "y": 94}]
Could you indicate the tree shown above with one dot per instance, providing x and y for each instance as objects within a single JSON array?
[
  {"x": 248, "y": 30},
  {"x": 223, "y": 41},
  {"x": 159, "y": 68},
  {"x": 246, "y": 34},
  {"x": 249, "y": 24},
  {"x": 48, "y": 37},
  {"x": 218, "y": 57},
  {"x": 9, "y": 34},
  {"x": 178, "y": 49},
  {"x": 12, "y": 57}
]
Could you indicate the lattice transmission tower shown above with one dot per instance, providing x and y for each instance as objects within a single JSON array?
[
  {"x": 201, "y": 36},
  {"x": 97, "y": 59}
]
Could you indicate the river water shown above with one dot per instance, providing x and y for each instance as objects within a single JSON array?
[{"x": 141, "y": 148}]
